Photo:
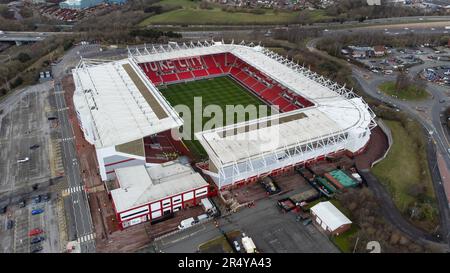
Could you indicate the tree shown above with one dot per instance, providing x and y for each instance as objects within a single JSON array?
[
  {"x": 23, "y": 57},
  {"x": 402, "y": 82}
]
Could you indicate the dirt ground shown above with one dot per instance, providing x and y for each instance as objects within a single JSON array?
[{"x": 378, "y": 144}]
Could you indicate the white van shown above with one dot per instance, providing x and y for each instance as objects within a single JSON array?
[{"x": 186, "y": 223}]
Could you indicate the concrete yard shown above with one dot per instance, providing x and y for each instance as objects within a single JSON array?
[
  {"x": 23, "y": 124},
  {"x": 271, "y": 230}
]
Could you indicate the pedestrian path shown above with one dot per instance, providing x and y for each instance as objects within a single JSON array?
[{"x": 72, "y": 190}]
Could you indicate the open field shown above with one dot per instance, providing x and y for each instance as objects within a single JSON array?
[
  {"x": 189, "y": 13},
  {"x": 411, "y": 93},
  {"x": 221, "y": 91},
  {"x": 406, "y": 175}
]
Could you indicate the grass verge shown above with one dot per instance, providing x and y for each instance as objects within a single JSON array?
[
  {"x": 410, "y": 93},
  {"x": 406, "y": 175}
]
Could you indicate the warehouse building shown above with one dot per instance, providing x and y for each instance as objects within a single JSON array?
[
  {"x": 149, "y": 193},
  {"x": 330, "y": 219}
]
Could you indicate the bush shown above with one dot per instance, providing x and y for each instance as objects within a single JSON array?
[
  {"x": 154, "y": 9},
  {"x": 23, "y": 57}
]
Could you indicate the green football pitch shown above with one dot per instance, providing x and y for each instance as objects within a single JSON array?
[{"x": 221, "y": 91}]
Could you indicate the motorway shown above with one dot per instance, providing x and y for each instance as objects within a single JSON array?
[
  {"x": 80, "y": 223},
  {"x": 24, "y": 36}
]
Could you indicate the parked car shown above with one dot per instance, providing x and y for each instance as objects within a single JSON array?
[
  {"x": 36, "y": 249},
  {"x": 10, "y": 224},
  {"x": 22, "y": 203},
  {"x": 37, "y": 239},
  {"x": 37, "y": 211},
  {"x": 187, "y": 223},
  {"x": 3, "y": 209},
  {"x": 36, "y": 199},
  {"x": 307, "y": 222},
  {"x": 236, "y": 245},
  {"x": 45, "y": 197},
  {"x": 35, "y": 146},
  {"x": 35, "y": 232},
  {"x": 22, "y": 160}
]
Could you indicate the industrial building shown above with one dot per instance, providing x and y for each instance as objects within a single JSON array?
[
  {"x": 149, "y": 193},
  {"x": 124, "y": 115}
]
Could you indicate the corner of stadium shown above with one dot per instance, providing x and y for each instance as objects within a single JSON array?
[{"x": 126, "y": 110}]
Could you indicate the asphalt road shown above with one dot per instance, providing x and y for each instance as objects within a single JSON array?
[{"x": 80, "y": 221}]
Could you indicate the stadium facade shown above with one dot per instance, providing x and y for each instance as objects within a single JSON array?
[{"x": 124, "y": 115}]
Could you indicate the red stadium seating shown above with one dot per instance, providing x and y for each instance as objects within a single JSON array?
[
  {"x": 209, "y": 61},
  {"x": 220, "y": 59},
  {"x": 219, "y": 64},
  {"x": 169, "y": 78},
  {"x": 200, "y": 73},
  {"x": 185, "y": 75},
  {"x": 215, "y": 71}
]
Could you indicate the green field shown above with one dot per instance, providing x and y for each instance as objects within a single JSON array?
[
  {"x": 404, "y": 170},
  {"x": 411, "y": 93},
  {"x": 189, "y": 13},
  {"x": 219, "y": 91}
]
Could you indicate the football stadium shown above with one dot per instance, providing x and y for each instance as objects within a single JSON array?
[{"x": 134, "y": 111}]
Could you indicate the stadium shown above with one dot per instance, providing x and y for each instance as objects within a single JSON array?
[{"x": 127, "y": 110}]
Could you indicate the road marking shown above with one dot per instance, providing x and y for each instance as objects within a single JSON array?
[
  {"x": 86, "y": 238},
  {"x": 71, "y": 190}
]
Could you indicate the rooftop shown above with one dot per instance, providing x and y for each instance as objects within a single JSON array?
[
  {"x": 330, "y": 215},
  {"x": 122, "y": 105},
  {"x": 140, "y": 185}
]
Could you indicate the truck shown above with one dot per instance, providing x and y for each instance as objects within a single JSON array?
[
  {"x": 248, "y": 244},
  {"x": 286, "y": 204},
  {"x": 209, "y": 207}
]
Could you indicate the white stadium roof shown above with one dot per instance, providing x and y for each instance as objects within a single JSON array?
[
  {"x": 122, "y": 104},
  {"x": 315, "y": 124}
]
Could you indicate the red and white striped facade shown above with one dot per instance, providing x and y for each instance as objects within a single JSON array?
[{"x": 156, "y": 209}]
